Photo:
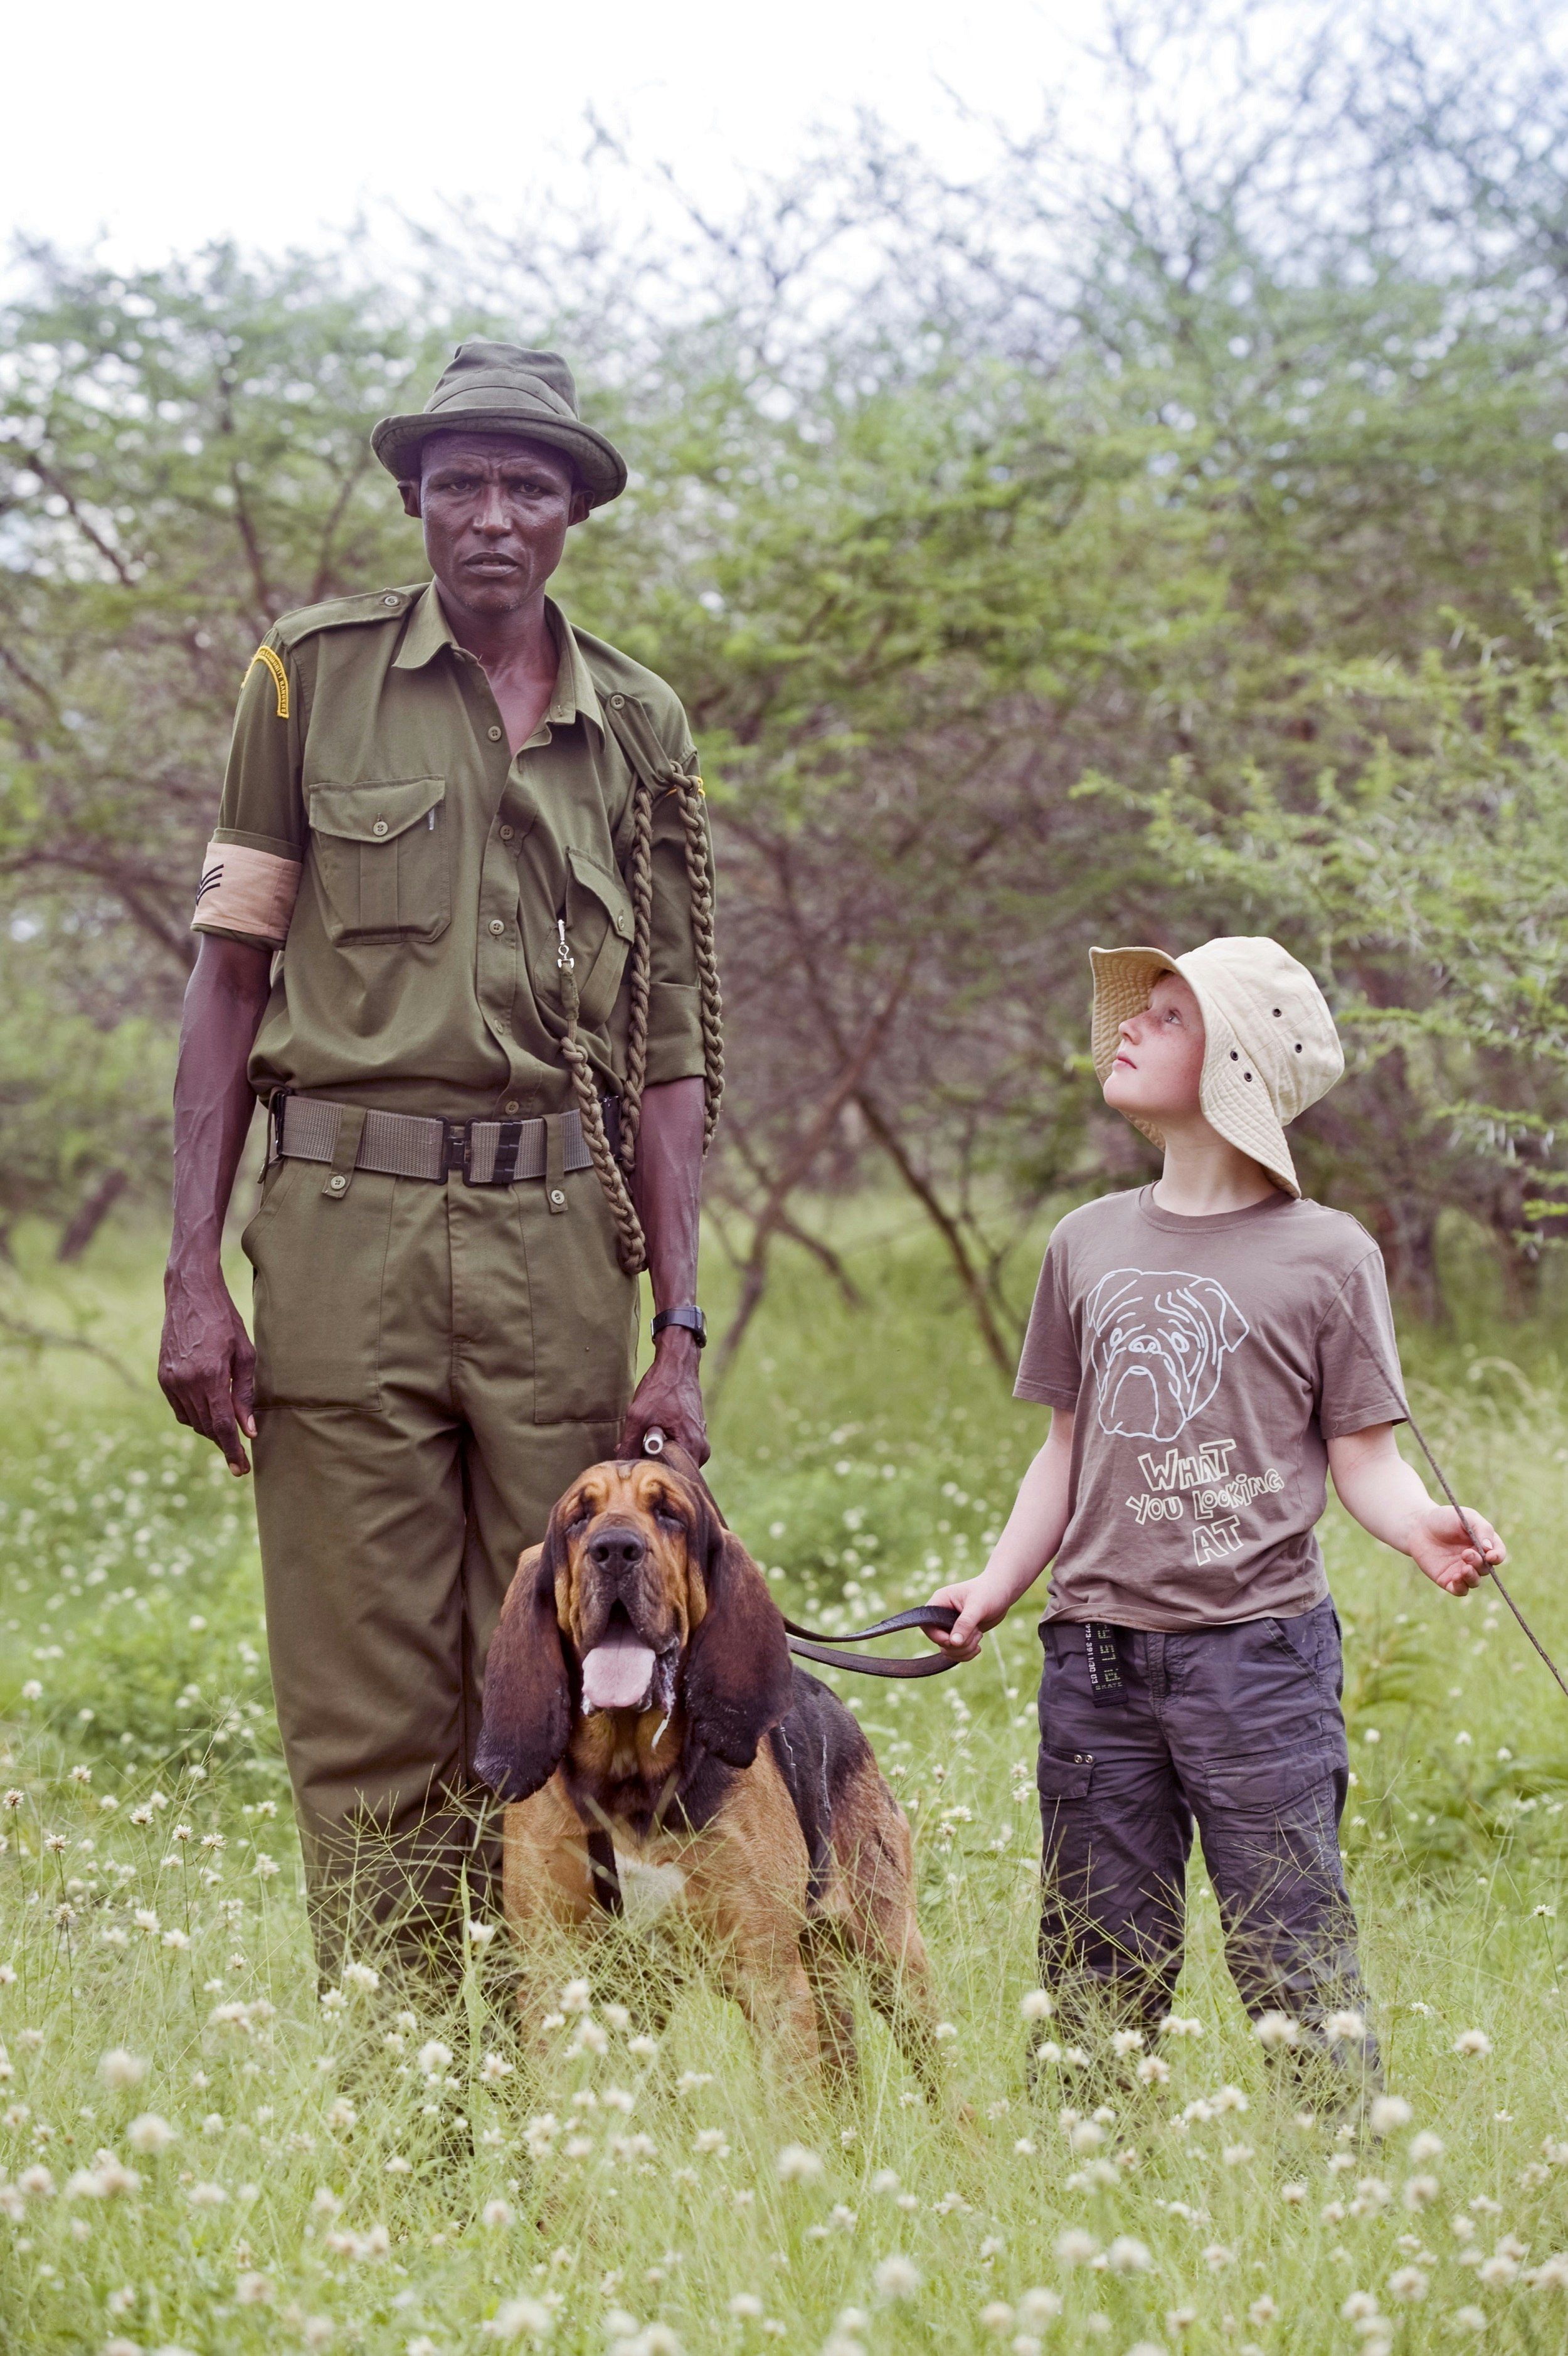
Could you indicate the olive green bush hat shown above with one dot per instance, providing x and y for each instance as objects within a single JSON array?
[
  {"x": 1270, "y": 1045},
  {"x": 500, "y": 389}
]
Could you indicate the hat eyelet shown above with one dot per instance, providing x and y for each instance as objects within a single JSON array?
[
  {"x": 1298, "y": 1046},
  {"x": 1247, "y": 1075},
  {"x": 1276, "y": 1010},
  {"x": 1235, "y": 1056}
]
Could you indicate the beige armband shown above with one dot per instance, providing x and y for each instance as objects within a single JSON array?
[{"x": 245, "y": 890}]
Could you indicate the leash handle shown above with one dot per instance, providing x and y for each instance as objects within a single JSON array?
[
  {"x": 1443, "y": 1483},
  {"x": 810, "y": 1644}
]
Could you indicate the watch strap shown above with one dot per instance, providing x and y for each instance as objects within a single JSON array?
[{"x": 687, "y": 1314}]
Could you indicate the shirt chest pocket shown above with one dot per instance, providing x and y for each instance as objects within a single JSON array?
[
  {"x": 381, "y": 854},
  {"x": 599, "y": 927}
]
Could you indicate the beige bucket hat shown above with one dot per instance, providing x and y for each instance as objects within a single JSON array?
[
  {"x": 490, "y": 388},
  {"x": 1270, "y": 1045}
]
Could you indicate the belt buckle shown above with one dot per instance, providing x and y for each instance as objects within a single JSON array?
[{"x": 457, "y": 1148}]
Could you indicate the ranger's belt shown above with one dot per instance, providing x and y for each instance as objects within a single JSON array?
[{"x": 417, "y": 1145}]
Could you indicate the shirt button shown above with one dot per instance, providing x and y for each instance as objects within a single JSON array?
[
  {"x": 511, "y": 1105},
  {"x": 380, "y": 827},
  {"x": 494, "y": 736},
  {"x": 556, "y": 1196},
  {"x": 389, "y": 601},
  {"x": 505, "y": 834},
  {"x": 497, "y": 926},
  {"x": 338, "y": 1185}
]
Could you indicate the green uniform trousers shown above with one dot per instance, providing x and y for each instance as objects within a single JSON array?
[{"x": 436, "y": 1362}]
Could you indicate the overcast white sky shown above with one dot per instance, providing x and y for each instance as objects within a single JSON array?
[{"x": 169, "y": 122}]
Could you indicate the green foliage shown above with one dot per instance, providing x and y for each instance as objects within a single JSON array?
[{"x": 1235, "y": 485}]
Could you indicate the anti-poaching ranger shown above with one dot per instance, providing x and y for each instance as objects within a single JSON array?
[{"x": 456, "y": 932}]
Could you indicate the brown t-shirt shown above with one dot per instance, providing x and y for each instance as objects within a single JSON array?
[{"x": 1208, "y": 1363}]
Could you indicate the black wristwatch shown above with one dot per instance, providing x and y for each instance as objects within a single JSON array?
[{"x": 690, "y": 1316}]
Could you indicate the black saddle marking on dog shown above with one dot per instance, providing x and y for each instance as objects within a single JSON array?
[{"x": 818, "y": 1749}]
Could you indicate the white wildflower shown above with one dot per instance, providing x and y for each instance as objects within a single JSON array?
[
  {"x": 795, "y": 2165},
  {"x": 1038, "y": 2307},
  {"x": 149, "y": 2134},
  {"x": 1472, "y": 2040},
  {"x": 515, "y": 2317},
  {"x": 1128, "y": 2255},
  {"x": 896, "y": 2277},
  {"x": 1075, "y": 2247},
  {"x": 118, "y": 2069},
  {"x": 1276, "y": 2030}
]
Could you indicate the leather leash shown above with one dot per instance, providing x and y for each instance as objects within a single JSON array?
[{"x": 811, "y": 1645}]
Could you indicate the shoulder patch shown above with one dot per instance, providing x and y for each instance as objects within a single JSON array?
[{"x": 272, "y": 662}]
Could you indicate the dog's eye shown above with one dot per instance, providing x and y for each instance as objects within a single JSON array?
[{"x": 667, "y": 1519}]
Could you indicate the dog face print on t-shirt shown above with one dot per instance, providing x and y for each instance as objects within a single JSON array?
[{"x": 1158, "y": 1340}]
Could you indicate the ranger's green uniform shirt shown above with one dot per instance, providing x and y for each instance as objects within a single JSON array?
[{"x": 376, "y": 831}]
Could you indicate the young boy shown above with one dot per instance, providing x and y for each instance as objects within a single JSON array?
[{"x": 1209, "y": 1347}]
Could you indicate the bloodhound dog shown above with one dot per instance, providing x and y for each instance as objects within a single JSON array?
[{"x": 641, "y": 1708}]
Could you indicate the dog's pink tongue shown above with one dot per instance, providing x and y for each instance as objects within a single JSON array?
[{"x": 617, "y": 1675}]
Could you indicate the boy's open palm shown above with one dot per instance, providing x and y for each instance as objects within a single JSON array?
[{"x": 1439, "y": 1547}]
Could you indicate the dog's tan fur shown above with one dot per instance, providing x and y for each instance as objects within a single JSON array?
[{"x": 696, "y": 1784}]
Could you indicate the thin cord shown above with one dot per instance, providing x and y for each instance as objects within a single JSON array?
[{"x": 1465, "y": 1525}]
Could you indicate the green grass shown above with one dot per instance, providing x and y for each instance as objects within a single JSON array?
[{"x": 862, "y": 1458}]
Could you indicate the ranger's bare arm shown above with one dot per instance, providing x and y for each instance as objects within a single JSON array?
[
  {"x": 666, "y": 1186},
  {"x": 205, "y": 1363}
]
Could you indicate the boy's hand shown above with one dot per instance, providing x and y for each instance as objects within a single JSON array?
[
  {"x": 980, "y": 1603},
  {"x": 1437, "y": 1545}
]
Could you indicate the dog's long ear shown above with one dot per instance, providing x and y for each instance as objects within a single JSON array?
[
  {"x": 739, "y": 1678},
  {"x": 527, "y": 1721}
]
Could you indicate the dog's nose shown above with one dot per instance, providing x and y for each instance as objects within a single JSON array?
[{"x": 617, "y": 1549}]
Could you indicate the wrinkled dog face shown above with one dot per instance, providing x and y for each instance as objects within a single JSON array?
[
  {"x": 628, "y": 1589},
  {"x": 1159, "y": 1341}
]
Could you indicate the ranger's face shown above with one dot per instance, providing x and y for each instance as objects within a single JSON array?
[{"x": 495, "y": 511}]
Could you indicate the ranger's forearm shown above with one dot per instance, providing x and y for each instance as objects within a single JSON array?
[
  {"x": 668, "y": 1188},
  {"x": 224, "y": 1003}
]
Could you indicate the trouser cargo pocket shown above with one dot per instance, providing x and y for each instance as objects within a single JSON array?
[{"x": 319, "y": 1268}]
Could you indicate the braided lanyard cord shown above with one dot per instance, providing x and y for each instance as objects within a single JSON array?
[
  {"x": 1465, "y": 1525},
  {"x": 631, "y": 1244}
]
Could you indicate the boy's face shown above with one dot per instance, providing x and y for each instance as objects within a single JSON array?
[{"x": 1159, "y": 1056}]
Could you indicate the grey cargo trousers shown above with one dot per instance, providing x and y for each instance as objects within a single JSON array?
[{"x": 1237, "y": 1727}]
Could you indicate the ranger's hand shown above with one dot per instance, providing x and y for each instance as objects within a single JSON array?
[
  {"x": 206, "y": 1367},
  {"x": 670, "y": 1396}
]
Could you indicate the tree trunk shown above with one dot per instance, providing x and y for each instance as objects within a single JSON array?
[{"x": 90, "y": 1215}]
